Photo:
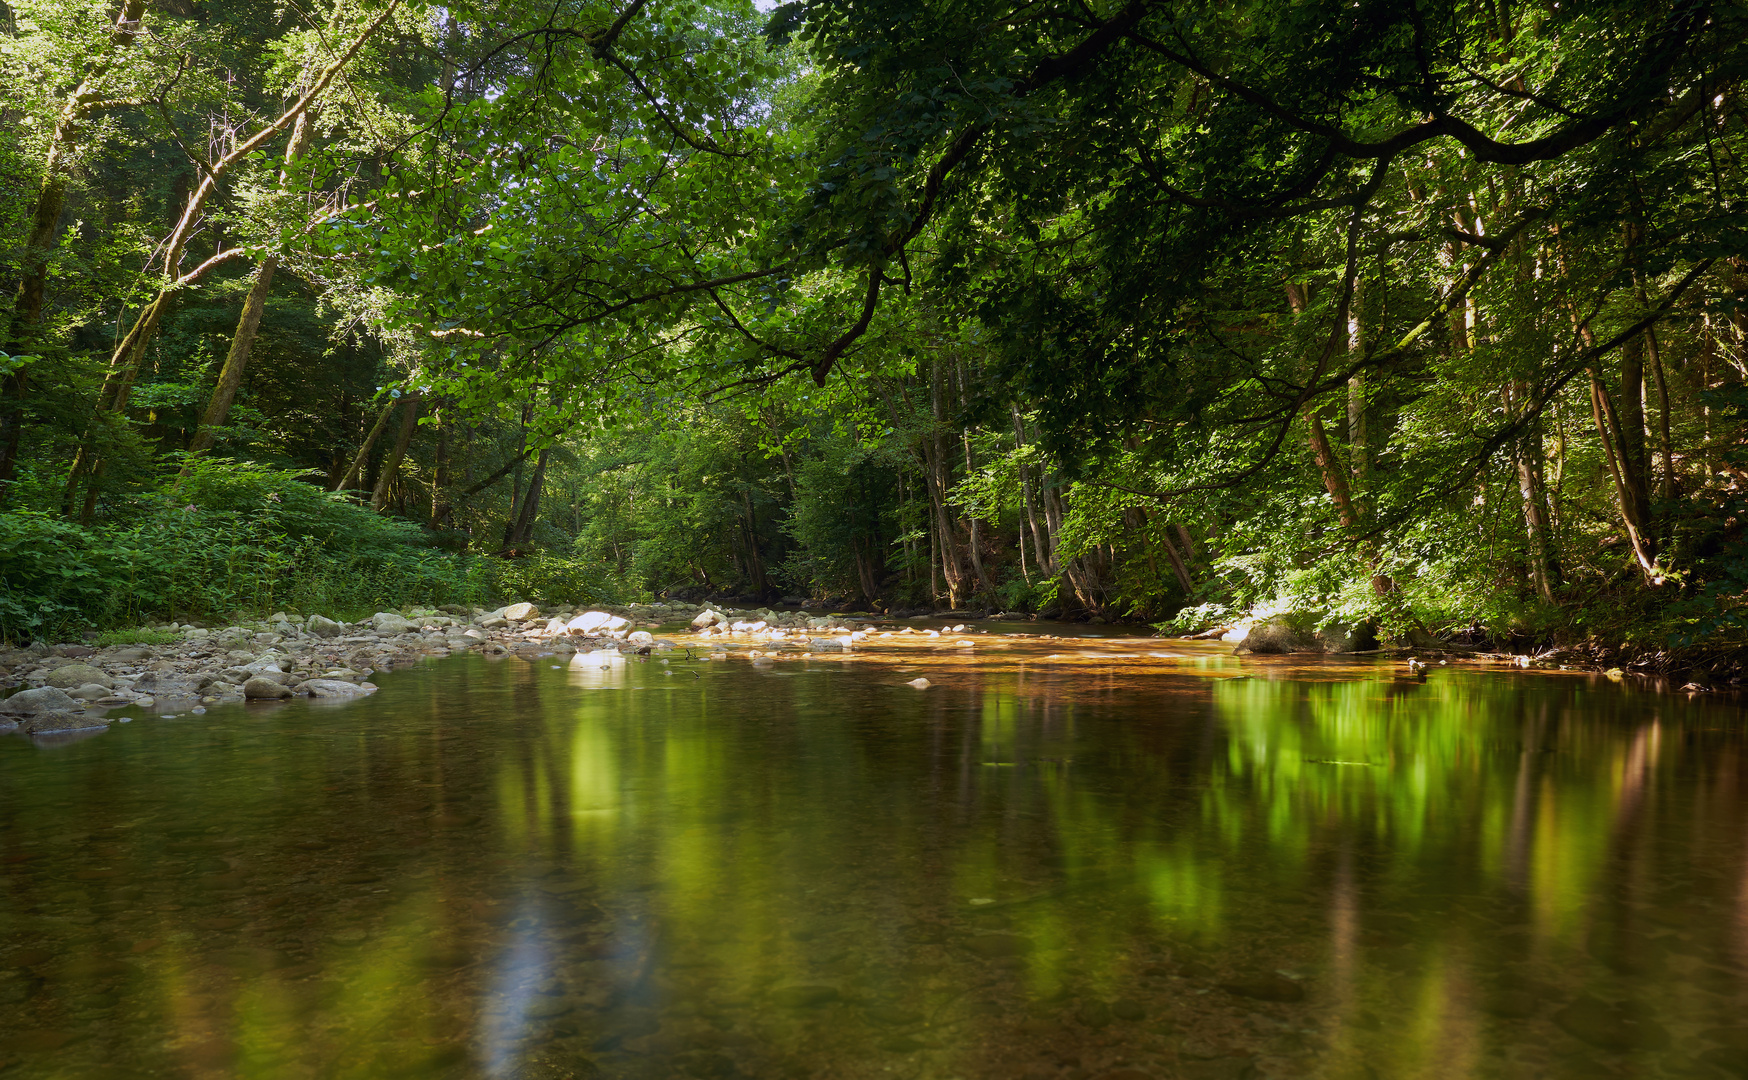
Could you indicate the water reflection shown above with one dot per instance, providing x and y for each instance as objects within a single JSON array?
[{"x": 1064, "y": 859}]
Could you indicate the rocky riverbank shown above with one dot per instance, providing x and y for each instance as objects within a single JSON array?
[{"x": 74, "y": 686}]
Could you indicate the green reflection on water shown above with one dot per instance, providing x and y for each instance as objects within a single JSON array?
[{"x": 1041, "y": 865}]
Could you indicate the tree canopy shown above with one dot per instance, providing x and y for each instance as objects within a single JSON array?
[{"x": 1428, "y": 315}]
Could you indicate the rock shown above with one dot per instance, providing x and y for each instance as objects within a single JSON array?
[
  {"x": 387, "y": 622},
  {"x": 495, "y": 622},
  {"x": 641, "y": 637},
  {"x": 324, "y": 628},
  {"x": 920, "y": 684},
  {"x": 555, "y": 627},
  {"x": 51, "y": 722},
  {"x": 333, "y": 688},
  {"x": 707, "y": 618},
  {"x": 68, "y": 676},
  {"x": 90, "y": 692},
  {"x": 590, "y": 622},
  {"x": 520, "y": 612},
  {"x": 7, "y": 725},
  {"x": 1277, "y": 634},
  {"x": 1344, "y": 637},
  {"x": 1612, "y": 1027},
  {"x": 131, "y": 655},
  {"x": 45, "y": 699},
  {"x": 262, "y": 688}
]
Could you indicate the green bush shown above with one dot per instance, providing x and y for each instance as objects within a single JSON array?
[{"x": 236, "y": 536}]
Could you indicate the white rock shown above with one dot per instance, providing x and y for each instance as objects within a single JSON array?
[
  {"x": 642, "y": 637},
  {"x": 920, "y": 684},
  {"x": 707, "y": 618},
  {"x": 554, "y": 627},
  {"x": 519, "y": 612},
  {"x": 591, "y": 622}
]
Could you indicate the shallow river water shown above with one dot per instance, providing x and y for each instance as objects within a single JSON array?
[{"x": 1070, "y": 858}]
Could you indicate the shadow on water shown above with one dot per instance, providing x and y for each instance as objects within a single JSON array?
[{"x": 1066, "y": 858}]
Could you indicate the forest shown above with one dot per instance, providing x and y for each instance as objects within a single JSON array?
[{"x": 1177, "y": 313}]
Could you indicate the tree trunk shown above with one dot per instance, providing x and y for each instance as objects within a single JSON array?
[
  {"x": 45, "y": 213},
  {"x": 1606, "y": 427},
  {"x": 392, "y": 465},
  {"x": 243, "y": 339},
  {"x": 440, "y": 470},
  {"x": 1044, "y": 558},
  {"x": 363, "y": 455},
  {"x": 124, "y": 363},
  {"x": 976, "y": 528},
  {"x": 1544, "y": 561},
  {"x": 1334, "y": 476},
  {"x": 1358, "y": 449},
  {"x": 522, "y": 531}
]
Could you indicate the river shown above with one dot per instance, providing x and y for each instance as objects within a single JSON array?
[{"x": 1074, "y": 858}]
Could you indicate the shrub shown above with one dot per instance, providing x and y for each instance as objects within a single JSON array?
[{"x": 237, "y": 536}]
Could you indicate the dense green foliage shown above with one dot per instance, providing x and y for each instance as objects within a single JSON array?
[{"x": 1432, "y": 316}]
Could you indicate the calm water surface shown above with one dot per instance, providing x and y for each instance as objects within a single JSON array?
[{"x": 1067, "y": 859}]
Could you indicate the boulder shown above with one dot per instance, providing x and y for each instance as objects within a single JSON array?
[
  {"x": 707, "y": 618},
  {"x": 261, "y": 688},
  {"x": 555, "y": 626},
  {"x": 387, "y": 622},
  {"x": 90, "y": 692},
  {"x": 131, "y": 655},
  {"x": 496, "y": 622},
  {"x": 520, "y": 612},
  {"x": 333, "y": 688},
  {"x": 69, "y": 676},
  {"x": 324, "y": 628},
  {"x": 1278, "y": 634},
  {"x": 591, "y": 622},
  {"x": 31, "y": 702},
  {"x": 1347, "y": 637},
  {"x": 50, "y": 722},
  {"x": 641, "y": 637}
]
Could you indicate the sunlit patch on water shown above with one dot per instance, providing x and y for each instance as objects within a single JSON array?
[{"x": 1061, "y": 858}]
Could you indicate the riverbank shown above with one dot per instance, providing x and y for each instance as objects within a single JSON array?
[{"x": 174, "y": 668}]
